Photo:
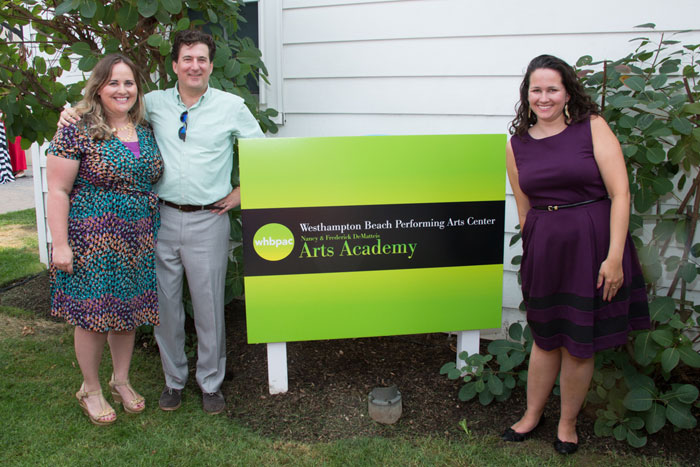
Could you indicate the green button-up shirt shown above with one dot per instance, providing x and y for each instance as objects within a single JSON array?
[{"x": 198, "y": 170}]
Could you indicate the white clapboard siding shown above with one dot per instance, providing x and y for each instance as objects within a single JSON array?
[
  {"x": 467, "y": 56},
  {"x": 398, "y": 67},
  {"x": 353, "y": 21}
]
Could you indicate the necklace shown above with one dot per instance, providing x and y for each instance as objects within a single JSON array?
[{"x": 129, "y": 126}]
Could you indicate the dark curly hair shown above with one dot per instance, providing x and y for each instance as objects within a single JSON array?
[
  {"x": 580, "y": 105},
  {"x": 190, "y": 37}
]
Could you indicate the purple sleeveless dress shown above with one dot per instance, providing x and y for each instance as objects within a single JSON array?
[{"x": 563, "y": 250}]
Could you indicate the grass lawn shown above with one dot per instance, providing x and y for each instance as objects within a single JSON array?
[
  {"x": 19, "y": 248},
  {"x": 43, "y": 425}
]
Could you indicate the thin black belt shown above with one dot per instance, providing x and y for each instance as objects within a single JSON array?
[
  {"x": 572, "y": 205},
  {"x": 188, "y": 207}
]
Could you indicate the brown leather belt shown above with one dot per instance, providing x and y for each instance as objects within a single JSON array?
[
  {"x": 572, "y": 205},
  {"x": 188, "y": 207}
]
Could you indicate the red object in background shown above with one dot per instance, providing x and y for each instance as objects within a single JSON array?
[{"x": 18, "y": 159}]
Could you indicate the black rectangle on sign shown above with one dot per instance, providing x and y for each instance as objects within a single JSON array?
[{"x": 378, "y": 237}]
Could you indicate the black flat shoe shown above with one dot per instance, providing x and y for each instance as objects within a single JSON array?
[
  {"x": 565, "y": 447},
  {"x": 513, "y": 436}
]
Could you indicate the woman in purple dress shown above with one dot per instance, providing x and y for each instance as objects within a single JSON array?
[{"x": 581, "y": 279}]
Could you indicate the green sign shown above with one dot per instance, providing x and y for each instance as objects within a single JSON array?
[{"x": 369, "y": 236}]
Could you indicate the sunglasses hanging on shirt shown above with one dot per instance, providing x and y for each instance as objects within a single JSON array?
[{"x": 182, "y": 132}]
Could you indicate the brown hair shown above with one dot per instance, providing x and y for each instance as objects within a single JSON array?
[
  {"x": 191, "y": 37},
  {"x": 90, "y": 107},
  {"x": 580, "y": 105}
]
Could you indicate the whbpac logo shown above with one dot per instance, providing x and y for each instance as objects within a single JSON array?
[{"x": 273, "y": 242}]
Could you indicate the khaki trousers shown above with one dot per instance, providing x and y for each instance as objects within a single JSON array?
[{"x": 193, "y": 244}]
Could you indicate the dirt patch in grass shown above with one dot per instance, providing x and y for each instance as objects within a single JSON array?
[
  {"x": 15, "y": 236},
  {"x": 20, "y": 327},
  {"x": 329, "y": 382}
]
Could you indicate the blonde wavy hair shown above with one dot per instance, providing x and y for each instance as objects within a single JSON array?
[{"x": 91, "y": 108}]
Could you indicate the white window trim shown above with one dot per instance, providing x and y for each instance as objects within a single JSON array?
[{"x": 270, "y": 41}]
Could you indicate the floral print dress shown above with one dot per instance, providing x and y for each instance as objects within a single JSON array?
[{"x": 112, "y": 226}]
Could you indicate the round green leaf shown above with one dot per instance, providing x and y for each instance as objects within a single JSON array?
[
  {"x": 164, "y": 48},
  {"x": 447, "y": 367},
  {"x": 696, "y": 134},
  {"x": 645, "y": 349},
  {"x": 670, "y": 66},
  {"x": 232, "y": 68},
  {"x": 663, "y": 337},
  {"x": 635, "y": 83},
  {"x": 656, "y": 154},
  {"x": 688, "y": 272},
  {"x": 643, "y": 200},
  {"x": 39, "y": 64},
  {"x": 154, "y": 40},
  {"x": 182, "y": 24},
  {"x": 635, "y": 423},
  {"x": 59, "y": 97},
  {"x": 172, "y": 6},
  {"x": 212, "y": 16},
  {"x": 147, "y": 8},
  {"x": 81, "y": 48},
  {"x": 686, "y": 393},
  {"x": 669, "y": 359},
  {"x": 652, "y": 272},
  {"x": 627, "y": 121},
  {"x": 682, "y": 126},
  {"x": 87, "y": 63},
  {"x": 65, "y": 7},
  {"x": 515, "y": 331},
  {"x": 517, "y": 358},
  {"x": 485, "y": 397},
  {"x": 495, "y": 385},
  {"x": 689, "y": 356},
  {"x": 65, "y": 63},
  {"x": 583, "y": 61},
  {"x": 635, "y": 440},
  {"x": 112, "y": 45},
  {"x": 127, "y": 17},
  {"x": 601, "y": 428},
  {"x": 644, "y": 121},
  {"x": 681, "y": 232},
  {"x": 658, "y": 81},
  {"x": 515, "y": 239},
  {"x": 88, "y": 8},
  {"x": 601, "y": 392},
  {"x": 655, "y": 418},
  {"x": 693, "y": 108},
  {"x": 504, "y": 361},
  {"x": 638, "y": 400},
  {"x": 679, "y": 414},
  {"x": 662, "y": 308},
  {"x": 620, "y": 432},
  {"x": 467, "y": 392},
  {"x": 663, "y": 230},
  {"x": 695, "y": 250}
]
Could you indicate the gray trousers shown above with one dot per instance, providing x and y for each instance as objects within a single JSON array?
[{"x": 195, "y": 244}]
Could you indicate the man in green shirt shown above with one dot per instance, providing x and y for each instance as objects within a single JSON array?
[{"x": 195, "y": 127}]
